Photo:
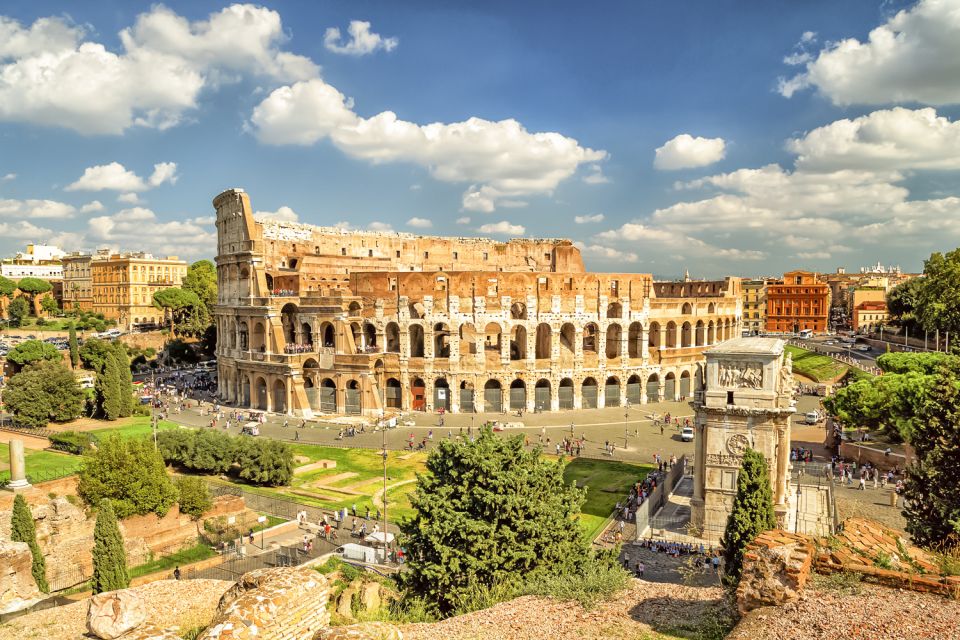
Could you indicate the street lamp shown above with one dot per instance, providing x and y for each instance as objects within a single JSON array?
[
  {"x": 386, "y": 543},
  {"x": 626, "y": 414}
]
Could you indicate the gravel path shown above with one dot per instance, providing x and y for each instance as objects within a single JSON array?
[{"x": 185, "y": 603}]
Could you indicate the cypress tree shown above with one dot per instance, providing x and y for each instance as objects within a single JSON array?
[
  {"x": 752, "y": 512},
  {"x": 74, "y": 347},
  {"x": 108, "y": 388},
  {"x": 22, "y": 530},
  {"x": 125, "y": 380},
  {"x": 109, "y": 557}
]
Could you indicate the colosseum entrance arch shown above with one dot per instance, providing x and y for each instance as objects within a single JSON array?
[
  {"x": 634, "y": 395},
  {"x": 394, "y": 394},
  {"x": 351, "y": 398},
  {"x": 260, "y": 394},
  {"x": 588, "y": 394},
  {"x": 565, "y": 394},
  {"x": 328, "y": 396},
  {"x": 653, "y": 388},
  {"x": 441, "y": 394},
  {"x": 611, "y": 392},
  {"x": 492, "y": 397},
  {"x": 670, "y": 387},
  {"x": 518, "y": 395},
  {"x": 685, "y": 384},
  {"x": 466, "y": 397},
  {"x": 418, "y": 393},
  {"x": 280, "y": 396},
  {"x": 541, "y": 396}
]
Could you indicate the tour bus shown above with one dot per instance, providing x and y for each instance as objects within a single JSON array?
[{"x": 805, "y": 333}]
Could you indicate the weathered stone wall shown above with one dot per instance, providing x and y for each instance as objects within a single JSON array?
[
  {"x": 17, "y": 587},
  {"x": 776, "y": 566},
  {"x": 875, "y": 456}
]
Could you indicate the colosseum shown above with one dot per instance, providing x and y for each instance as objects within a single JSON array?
[{"x": 317, "y": 321}]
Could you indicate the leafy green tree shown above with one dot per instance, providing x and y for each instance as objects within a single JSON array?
[
  {"x": 268, "y": 462},
  {"x": 34, "y": 286},
  {"x": 110, "y": 473},
  {"x": 18, "y": 311},
  {"x": 752, "y": 512},
  {"x": 490, "y": 514},
  {"x": 22, "y": 530},
  {"x": 74, "y": 347},
  {"x": 94, "y": 352},
  {"x": 899, "y": 362},
  {"x": 49, "y": 305},
  {"x": 193, "y": 496},
  {"x": 201, "y": 279},
  {"x": 125, "y": 379},
  {"x": 43, "y": 392},
  {"x": 903, "y": 303},
  {"x": 109, "y": 557},
  {"x": 176, "y": 446},
  {"x": 176, "y": 303},
  {"x": 109, "y": 399},
  {"x": 938, "y": 299},
  {"x": 7, "y": 287},
  {"x": 33, "y": 351},
  {"x": 930, "y": 491}
]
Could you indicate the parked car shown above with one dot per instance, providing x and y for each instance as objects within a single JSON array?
[{"x": 686, "y": 434}]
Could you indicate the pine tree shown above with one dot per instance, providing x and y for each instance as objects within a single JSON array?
[
  {"x": 22, "y": 530},
  {"x": 752, "y": 512},
  {"x": 109, "y": 558},
  {"x": 74, "y": 347},
  {"x": 108, "y": 388}
]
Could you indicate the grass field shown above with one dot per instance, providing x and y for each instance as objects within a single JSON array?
[
  {"x": 41, "y": 465},
  {"x": 817, "y": 367},
  {"x": 134, "y": 427},
  {"x": 606, "y": 482}
]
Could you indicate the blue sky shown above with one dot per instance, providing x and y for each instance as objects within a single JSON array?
[{"x": 740, "y": 138}]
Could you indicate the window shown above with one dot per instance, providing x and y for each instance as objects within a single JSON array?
[
  {"x": 455, "y": 255},
  {"x": 484, "y": 255},
  {"x": 398, "y": 253},
  {"x": 729, "y": 397},
  {"x": 343, "y": 251},
  {"x": 546, "y": 255},
  {"x": 426, "y": 254},
  {"x": 369, "y": 253}
]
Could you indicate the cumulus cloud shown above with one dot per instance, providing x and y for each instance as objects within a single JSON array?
[
  {"x": 36, "y": 209},
  {"x": 362, "y": 41},
  {"x": 8, "y": 177},
  {"x": 116, "y": 177},
  {"x": 138, "y": 227},
  {"x": 501, "y": 161},
  {"x": 686, "y": 152},
  {"x": 463, "y": 220},
  {"x": 912, "y": 57},
  {"x": 129, "y": 198},
  {"x": 419, "y": 223},
  {"x": 23, "y": 230},
  {"x": 890, "y": 139},
  {"x": 283, "y": 214},
  {"x": 376, "y": 225},
  {"x": 595, "y": 176},
  {"x": 51, "y": 75},
  {"x": 92, "y": 207},
  {"x": 589, "y": 219},
  {"x": 606, "y": 254},
  {"x": 503, "y": 228}
]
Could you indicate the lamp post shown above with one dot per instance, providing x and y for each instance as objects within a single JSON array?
[
  {"x": 386, "y": 544},
  {"x": 153, "y": 407},
  {"x": 626, "y": 414}
]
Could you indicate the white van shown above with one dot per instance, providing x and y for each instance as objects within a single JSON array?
[{"x": 812, "y": 417}]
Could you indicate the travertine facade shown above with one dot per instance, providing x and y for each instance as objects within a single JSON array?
[
  {"x": 123, "y": 285},
  {"x": 320, "y": 320},
  {"x": 747, "y": 403}
]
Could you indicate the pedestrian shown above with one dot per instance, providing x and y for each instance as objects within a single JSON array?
[
  {"x": 640, "y": 569},
  {"x": 176, "y": 573}
]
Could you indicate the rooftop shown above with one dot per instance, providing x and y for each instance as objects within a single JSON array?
[{"x": 749, "y": 346}]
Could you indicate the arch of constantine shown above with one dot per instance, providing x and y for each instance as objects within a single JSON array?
[{"x": 315, "y": 320}]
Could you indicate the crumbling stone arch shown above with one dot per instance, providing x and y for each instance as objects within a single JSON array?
[{"x": 614, "y": 337}]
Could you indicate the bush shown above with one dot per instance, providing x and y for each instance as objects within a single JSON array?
[
  {"x": 75, "y": 442},
  {"x": 131, "y": 474},
  {"x": 109, "y": 557},
  {"x": 264, "y": 462},
  {"x": 22, "y": 529},
  {"x": 194, "y": 497},
  {"x": 43, "y": 392}
]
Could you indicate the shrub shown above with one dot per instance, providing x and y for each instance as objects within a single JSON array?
[
  {"x": 264, "y": 462},
  {"x": 75, "y": 442},
  {"x": 194, "y": 497},
  {"x": 752, "y": 512},
  {"x": 43, "y": 392},
  {"x": 109, "y": 557},
  {"x": 109, "y": 472},
  {"x": 22, "y": 529}
]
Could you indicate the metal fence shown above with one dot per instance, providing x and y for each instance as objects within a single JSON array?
[
  {"x": 235, "y": 565},
  {"x": 658, "y": 497}
]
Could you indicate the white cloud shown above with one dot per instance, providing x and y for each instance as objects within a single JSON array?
[
  {"x": 463, "y": 220},
  {"x": 589, "y": 219},
  {"x": 503, "y": 228},
  {"x": 283, "y": 214},
  {"x": 50, "y": 75},
  {"x": 502, "y": 161},
  {"x": 8, "y": 177},
  {"x": 910, "y": 58},
  {"x": 129, "y": 198},
  {"x": 379, "y": 226},
  {"x": 419, "y": 223},
  {"x": 92, "y": 207},
  {"x": 23, "y": 230},
  {"x": 604, "y": 253},
  {"x": 362, "y": 41},
  {"x": 686, "y": 152},
  {"x": 741, "y": 254},
  {"x": 596, "y": 175},
  {"x": 36, "y": 209},
  {"x": 116, "y": 177},
  {"x": 891, "y": 139},
  {"x": 139, "y": 228}
]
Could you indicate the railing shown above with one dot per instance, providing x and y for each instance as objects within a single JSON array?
[
  {"x": 839, "y": 357},
  {"x": 39, "y": 432},
  {"x": 284, "y": 556},
  {"x": 658, "y": 497}
]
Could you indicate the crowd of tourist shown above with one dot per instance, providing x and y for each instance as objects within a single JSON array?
[
  {"x": 298, "y": 348},
  {"x": 283, "y": 292}
]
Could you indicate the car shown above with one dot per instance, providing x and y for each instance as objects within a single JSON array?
[
  {"x": 250, "y": 429},
  {"x": 686, "y": 434},
  {"x": 862, "y": 347}
]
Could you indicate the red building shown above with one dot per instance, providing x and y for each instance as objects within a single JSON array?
[{"x": 800, "y": 301}]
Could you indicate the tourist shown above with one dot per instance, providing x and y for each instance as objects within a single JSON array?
[
  {"x": 640, "y": 569},
  {"x": 176, "y": 573}
]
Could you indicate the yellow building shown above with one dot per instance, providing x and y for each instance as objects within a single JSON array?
[
  {"x": 123, "y": 286},
  {"x": 753, "y": 296}
]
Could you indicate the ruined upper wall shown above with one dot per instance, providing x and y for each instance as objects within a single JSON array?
[{"x": 330, "y": 250}]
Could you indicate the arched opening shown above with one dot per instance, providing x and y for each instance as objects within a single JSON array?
[
  {"x": 518, "y": 395},
  {"x": 614, "y": 310},
  {"x": 654, "y": 335},
  {"x": 394, "y": 394},
  {"x": 568, "y": 337},
  {"x": 671, "y": 335},
  {"x": 441, "y": 394},
  {"x": 684, "y": 385},
  {"x": 328, "y": 396},
  {"x": 393, "y": 337},
  {"x": 699, "y": 335},
  {"x": 441, "y": 340},
  {"x": 590, "y": 332},
  {"x": 244, "y": 336},
  {"x": 565, "y": 394},
  {"x": 588, "y": 394},
  {"x": 611, "y": 392},
  {"x": 518, "y": 311},
  {"x": 269, "y": 280},
  {"x": 258, "y": 341},
  {"x": 327, "y": 335},
  {"x": 614, "y": 334},
  {"x": 670, "y": 387},
  {"x": 711, "y": 308},
  {"x": 492, "y": 397},
  {"x": 416, "y": 310},
  {"x": 491, "y": 340},
  {"x": 280, "y": 396},
  {"x": 310, "y": 369},
  {"x": 418, "y": 393},
  {"x": 354, "y": 309},
  {"x": 370, "y": 336},
  {"x": 306, "y": 333},
  {"x": 260, "y": 394},
  {"x": 634, "y": 395},
  {"x": 245, "y": 398},
  {"x": 544, "y": 337},
  {"x": 518, "y": 342},
  {"x": 351, "y": 398},
  {"x": 244, "y": 284},
  {"x": 711, "y": 330},
  {"x": 288, "y": 319},
  {"x": 635, "y": 340},
  {"x": 416, "y": 341},
  {"x": 686, "y": 335},
  {"x": 726, "y": 329},
  {"x": 356, "y": 334},
  {"x": 541, "y": 395},
  {"x": 653, "y": 388},
  {"x": 466, "y": 397},
  {"x": 468, "y": 339},
  {"x": 687, "y": 309}
]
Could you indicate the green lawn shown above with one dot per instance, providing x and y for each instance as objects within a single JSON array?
[
  {"x": 607, "y": 482},
  {"x": 41, "y": 465},
  {"x": 134, "y": 427},
  {"x": 181, "y": 558},
  {"x": 817, "y": 367}
]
